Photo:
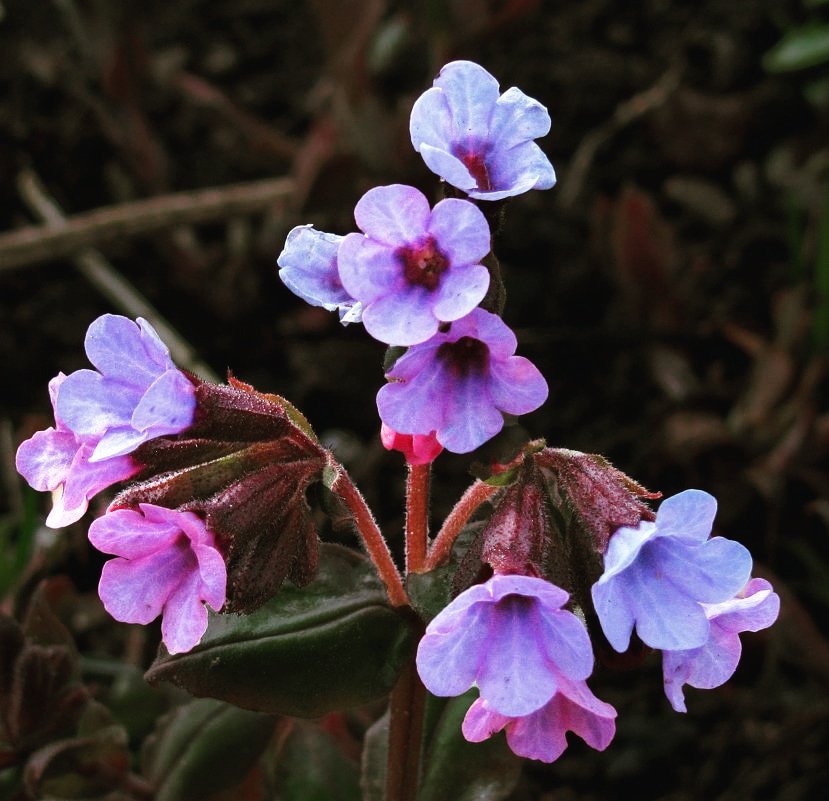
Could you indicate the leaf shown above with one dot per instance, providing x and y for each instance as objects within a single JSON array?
[
  {"x": 331, "y": 645},
  {"x": 460, "y": 770},
  {"x": 311, "y": 767},
  {"x": 202, "y": 748},
  {"x": 88, "y": 765},
  {"x": 799, "y": 49}
]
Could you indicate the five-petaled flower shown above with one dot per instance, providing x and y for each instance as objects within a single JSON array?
[
  {"x": 308, "y": 267},
  {"x": 101, "y": 416},
  {"x": 459, "y": 382},
  {"x": 477, "y": 140},
  {"x": 167, "y": 564},
  {"x": 414, "y": 267},
  {"x": 658, "y": 575},
  {"x": 712, "y": 664},
  {"x": 529, "y": 658}
]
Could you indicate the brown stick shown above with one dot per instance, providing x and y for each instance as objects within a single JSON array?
[
  {"x": 58, "y": 240},
  {"x": 110, "y": 283}
]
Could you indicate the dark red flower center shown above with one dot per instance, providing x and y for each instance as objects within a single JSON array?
[
  {"x": 467, "y": 356},
  {"x": 474, "y": 162},
  {"x": 423, "y": 264}
]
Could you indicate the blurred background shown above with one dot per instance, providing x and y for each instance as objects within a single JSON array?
[{"x": 673, "y": 287}]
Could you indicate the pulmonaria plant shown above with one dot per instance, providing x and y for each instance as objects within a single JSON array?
[{"x": 216, "y": 530}]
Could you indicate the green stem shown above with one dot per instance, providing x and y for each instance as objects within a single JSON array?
[
  {"x": 417, "y": 516},
  {"x": 474, "y": 496},
  {"x": 376, "y": 545}
]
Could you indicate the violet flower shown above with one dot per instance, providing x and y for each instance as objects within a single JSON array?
[
  {"x": 542, "y": 734},
  {"x": 712, "y": 664},
  {"x": 478, "y": 141},
  {"x": 168, "y": 565},
  {"x": 459, "y": 382},
  {"x": 658, "y": 575},
  {"x": 136, "y": 394},
  {"x": 511, "y": 638},
  {"x": 528, "y": 657},
  {"x": 57, "y": 461},
  {"x": 414, "y": 267},
  {"x": 308, "y": 267}
]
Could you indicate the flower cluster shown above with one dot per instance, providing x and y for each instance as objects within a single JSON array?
[
  {"x": 216, "y": 514},
  {"x": 687, "y": 594},
  {"x": 169, "y": 563},
  {"x": 416, "y": 274}
]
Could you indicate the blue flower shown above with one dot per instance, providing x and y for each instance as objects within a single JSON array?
[
  {"x": 477, "y": 140},
  {"x": 308, "y": 267},
  {"x": 658, "y": 575},
  {"x": 135, "y": 395}
]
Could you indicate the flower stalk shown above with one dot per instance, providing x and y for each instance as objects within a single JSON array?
[
  {"x": 370, "y": 534},
  {"x": 478, "y": 493},
  {"x": 417, "y": 516}
]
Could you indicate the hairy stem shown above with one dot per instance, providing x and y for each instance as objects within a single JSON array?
[
  {"x": 417, "y": 516},
  {"x": 474, "y": 496},
  {"x": 378, "y": 549},
  {"x": 407, "y": 706}
]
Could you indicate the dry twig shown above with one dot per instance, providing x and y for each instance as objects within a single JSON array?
[
  {"x": 104, "y": 277},
  {"x": 62, "y": 236}
]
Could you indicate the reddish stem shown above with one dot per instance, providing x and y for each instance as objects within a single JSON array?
[
  {"x": 474, "y": 496},
  {"x": 378, "y": 549},
  {"x": 417, "y": 516},
  {"x": 407, "y": 706}
]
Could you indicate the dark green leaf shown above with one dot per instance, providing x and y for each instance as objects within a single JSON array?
[
  {"x": 463, "y": 771},
  {"x": 333, "y": 644},
  {"x": 310, "y": 766},
  {"x": 202, "y": 748}
]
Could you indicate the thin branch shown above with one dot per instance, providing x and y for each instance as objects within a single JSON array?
[
  {"x": 111, "y": 284},
  {"x": 62, "y": 237}
]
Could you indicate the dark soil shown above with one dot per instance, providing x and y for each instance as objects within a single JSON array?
[{"x": 664, "y": 287}]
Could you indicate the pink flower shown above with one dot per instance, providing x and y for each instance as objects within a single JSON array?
[
  {"x": 417, "y": 448},
  {"x": 713, "y": 663},
  {"x": 58, "y": 461},
  {"x": 167, "y": 564},
  {"x": 458, "y": 383},
  {"x": 542, "y": 734}
]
